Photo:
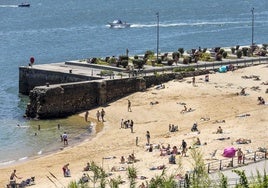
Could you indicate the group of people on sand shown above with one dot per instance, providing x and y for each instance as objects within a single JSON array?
[
  {"x": 173, "y": 128},
  {"x": 100, "y": 115},
  {"x": 127, "y": 124},
  {"x": 13, "y": 181}
]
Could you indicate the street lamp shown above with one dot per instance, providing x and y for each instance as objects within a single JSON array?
[
  {"x": 157, "y": 43},
  {"x": 252, "y": 32}
]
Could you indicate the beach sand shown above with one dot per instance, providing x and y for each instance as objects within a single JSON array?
[{"x": 213, "y": 100}]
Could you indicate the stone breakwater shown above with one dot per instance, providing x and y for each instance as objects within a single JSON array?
[{"x": 61, "y": 93}]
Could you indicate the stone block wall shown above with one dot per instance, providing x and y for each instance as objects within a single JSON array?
[{"x": 30, "y": 78}]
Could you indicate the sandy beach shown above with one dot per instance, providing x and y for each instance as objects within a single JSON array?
[{"x": 211, "y": 101}]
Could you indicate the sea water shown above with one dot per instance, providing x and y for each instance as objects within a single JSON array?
[{"x": 56, "y": 31}]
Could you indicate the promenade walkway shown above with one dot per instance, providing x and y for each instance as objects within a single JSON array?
[{"x": 251, "y": 170}]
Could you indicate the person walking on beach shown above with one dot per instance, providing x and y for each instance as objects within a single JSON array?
[
  {"x": 184, "y": 148},
  {"x": 131, "y": 125},
  {"x": 148, "y": 137},
  {"x": 65, "y": 138},
  {"x": 193, "y": 80},
  {"x": 86, "y": 116},
  {"x": 13, "y": 177},
  {"x": 129, "y": 106},
  {"x": 98, "y": 115},
  {"x": 102, "y": 115}
]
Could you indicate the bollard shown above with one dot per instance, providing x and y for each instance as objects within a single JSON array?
[{"x": 47, "y": 84}]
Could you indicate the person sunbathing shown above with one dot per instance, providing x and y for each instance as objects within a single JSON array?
[
  {"x": 186, "y": 110},
  {"x": 219, "y": 121}
]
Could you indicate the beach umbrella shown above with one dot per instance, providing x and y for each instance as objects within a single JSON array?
[{"x": 229, "y": 152}]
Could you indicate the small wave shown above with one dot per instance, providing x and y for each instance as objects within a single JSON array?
[
  {"x": 23, "y": 158},
  {"x": 7, "y": 162},
  {"x": 40, "y": 152}
]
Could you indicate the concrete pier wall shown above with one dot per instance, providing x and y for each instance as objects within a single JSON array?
[
  {"x": 29, "y": 77},
  {"x": 61, "y": 100}
]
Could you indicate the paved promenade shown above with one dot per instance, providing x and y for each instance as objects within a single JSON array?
[{"x": 250, "y": 170}]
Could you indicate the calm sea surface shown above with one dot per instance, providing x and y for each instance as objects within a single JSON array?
[{"x": 56, "y": 31}]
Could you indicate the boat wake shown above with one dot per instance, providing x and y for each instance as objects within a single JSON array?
[
  {"x": 182, "y": 24},
  {"x": 8, "y": 6}
]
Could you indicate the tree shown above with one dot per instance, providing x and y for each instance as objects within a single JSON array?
[{"x": 200, "y": 177}]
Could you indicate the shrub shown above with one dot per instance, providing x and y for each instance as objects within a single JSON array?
[
  {"x": 181, "y": 50},
  {"x": 124, "y": 63},
  {"x": 158, "y": 61},
  {"x": 112, "y": 60},
  {"x": 245, "y": 51},
  {"x": 224, "y": 54},
  {"x": 138, "y": 63},
  {"x": 170, "y": 62},
  {"x": 264, "y": 46},
  {"x": 106, "y": 73},
  {"x": 217, "y": 49},
  {"x": 93, "y": 60},
  {"x": 205, "y": 57},
  {"x": 187, "y": 60},
  {"x": 136, "y": 57},
  {"x": 233, "y": 50},
  {"x": 239, "y": 53},
  {"x": 221, "y": 51},
  {"x": 175, "y": 55},
  {"x": 123, "y": 57},
  {"x": 218, "y": 57},
  {"x": 148, "y": 54},
  {"x": 237, "y": 47}
]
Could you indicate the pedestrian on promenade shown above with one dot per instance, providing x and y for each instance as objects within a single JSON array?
[{"x": 239, "y": 156}]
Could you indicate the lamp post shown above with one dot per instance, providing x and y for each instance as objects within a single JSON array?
[
  {"x": 252, "y": 30},
  {"x": 157, "y": 35}
]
